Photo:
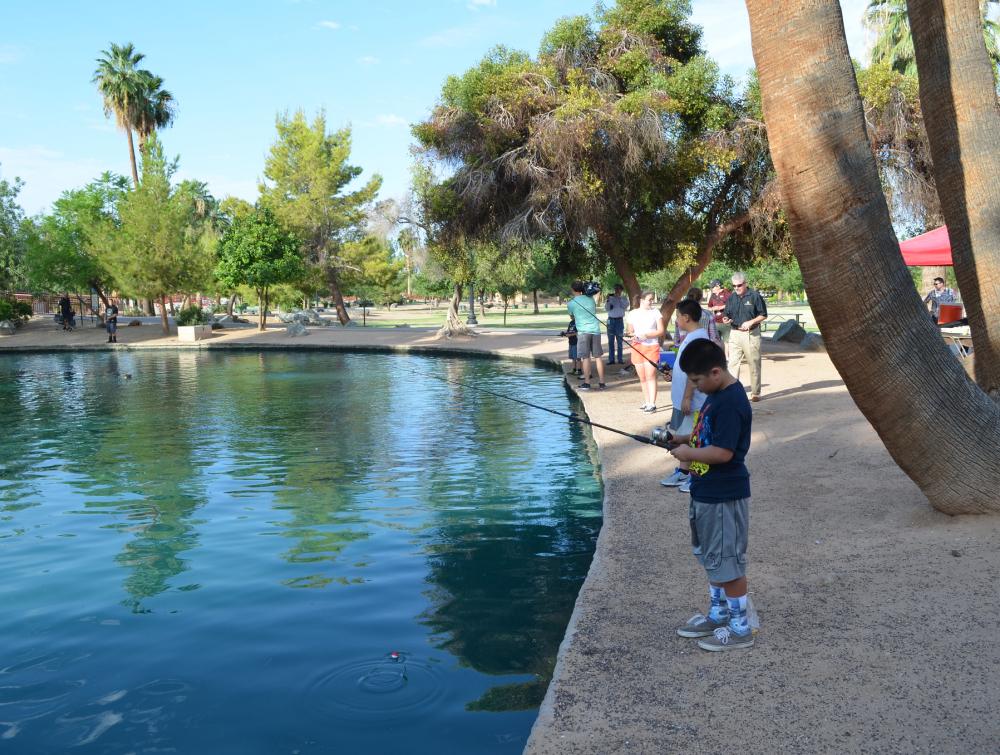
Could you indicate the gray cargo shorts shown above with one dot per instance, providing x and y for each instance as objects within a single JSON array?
[
  {"x": 589, "y": 345},
  {"x": 719, "y": 534}
]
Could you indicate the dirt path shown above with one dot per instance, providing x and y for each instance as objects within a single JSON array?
[{"x": 878, "y": 615}]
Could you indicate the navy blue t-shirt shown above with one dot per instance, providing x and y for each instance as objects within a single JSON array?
[{"x": 724, "y": 422}]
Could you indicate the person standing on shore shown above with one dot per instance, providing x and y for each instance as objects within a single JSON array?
[
  {"x": 645, "y": 324},
  {"x": 616, "y": 306},
  {"x": 583, "y": 309},
  {"x": 940, "y": 294},
  {"x": 111, "y": 322},
  {"x": 66, "y": 310},
  {"x": 717, "y": 305},
  {"x": 719, "y": 510},
  {"x": 745, "y": 311}
]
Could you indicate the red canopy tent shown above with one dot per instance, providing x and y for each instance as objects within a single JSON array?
[{"x": 931, "y": 249}]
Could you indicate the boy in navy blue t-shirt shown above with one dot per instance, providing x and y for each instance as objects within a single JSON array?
[{"x": 719, "y": 513}]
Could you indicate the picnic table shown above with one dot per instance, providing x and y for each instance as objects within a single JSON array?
[{"x": 780, "y": 318}]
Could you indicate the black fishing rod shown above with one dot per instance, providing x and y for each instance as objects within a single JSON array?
[{"x": 651, "y": 441}]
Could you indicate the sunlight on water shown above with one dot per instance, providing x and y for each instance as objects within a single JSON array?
[{"x": 274, "y": 552}]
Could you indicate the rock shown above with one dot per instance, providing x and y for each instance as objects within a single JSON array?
[
  {"x": 218, "y": 326},
  {"x": 222, "y": 320},
  {"x": 134, "y": 324},
  {"x": 285, "y": 317},
  {"x": 404, "y": 325},
  {"x": 352, "y": 324},
  {"x": 296, "y": 329},
  {"x": 789, "y": 331},
  {"x": 6, "y": 328},
  {"x": 313, "y": 317},
  {"x": 813, "y": 342}
]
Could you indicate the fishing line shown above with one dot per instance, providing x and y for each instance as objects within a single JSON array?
[{"x": 572, "y": 416}]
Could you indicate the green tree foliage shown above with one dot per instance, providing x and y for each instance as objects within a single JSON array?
[
  {"x": 163, "y": 243},
  {"x": 306, "y": 178},
  {"x": 894, "y": 43},
  {"x": 61, "y": 253},
  {"x": 608, "y": 137},
  {"x": 257, "y": 251},
  {"x": 11, "y": 232},
  {"x": 377, "y": 273}
]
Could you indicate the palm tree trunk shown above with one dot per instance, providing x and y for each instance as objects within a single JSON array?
[
  {"x": 938, "y": 426},
  {"x": 959, "y": 101},
  {"x": 131, "y": 158}
]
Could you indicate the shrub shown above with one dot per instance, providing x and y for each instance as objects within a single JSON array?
[
  {"x": 22, "y": 310},
  {"x": 192, "y": 316},
  {"x": 6, "y": 310}
]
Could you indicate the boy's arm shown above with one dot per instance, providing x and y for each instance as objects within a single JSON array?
[
  {"x": 708, "y": 454},
  {"x": 688, "y": 395}
]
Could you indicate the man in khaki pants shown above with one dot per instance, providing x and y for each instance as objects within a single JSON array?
[{"x": 745, "y": 311}]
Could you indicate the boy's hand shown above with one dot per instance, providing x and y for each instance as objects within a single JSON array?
[
  {"x": 686, "y": 405},
  {"x": 682, "y": 453}
]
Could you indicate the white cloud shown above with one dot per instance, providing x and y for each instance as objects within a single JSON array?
[
  {"x": 477, "y": 4},
  {"x": 368, "y": 60},
  {"x": 329, "y": 24},
  {"x": 390, "y": 119}
]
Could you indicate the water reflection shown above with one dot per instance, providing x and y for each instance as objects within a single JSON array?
[{"x": 316, "y": 508}]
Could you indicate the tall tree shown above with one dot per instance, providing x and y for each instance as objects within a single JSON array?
[
  {"x": 890, "y": 22},
  {"x": 941, "y": 429},
  {"x": 11, "y": 235},
  {"x": 63, "y": 250},
  {"x": 257, "y": 251},
  {"x": 306, "y": 179},
  {"x": 133, "y": 95},
  {"x": 601, "y": 139},
  {"x": 963, "y": 124},
  {"x": 161, "y": 244}
]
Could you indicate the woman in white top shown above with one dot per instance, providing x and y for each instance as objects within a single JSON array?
[{"x": 645, "y": 325}]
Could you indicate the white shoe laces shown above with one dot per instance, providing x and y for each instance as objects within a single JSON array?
[{"x": 722, "y": 634}]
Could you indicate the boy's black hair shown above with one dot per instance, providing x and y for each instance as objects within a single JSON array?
[
  {"x": 691, "y": 308},
  {"x": 939, "y": 279},
  {"x": 701, "y": 356},
  {"x": 577, "y": 286}
]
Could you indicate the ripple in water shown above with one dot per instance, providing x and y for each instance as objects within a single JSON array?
[{"x": 372, "y": 688}]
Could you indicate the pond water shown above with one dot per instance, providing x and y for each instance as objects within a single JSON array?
[{"x": 283, "y": 552}]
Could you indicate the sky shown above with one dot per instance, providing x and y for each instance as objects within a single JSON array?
[{"x": 234, "y": 65}]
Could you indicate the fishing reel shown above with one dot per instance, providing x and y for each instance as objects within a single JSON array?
[
  {"x": 591, "y": 288},
  {"x": 661, "y": 436}
]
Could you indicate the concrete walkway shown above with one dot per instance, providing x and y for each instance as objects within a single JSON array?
[{"x": 879, "y": 615}]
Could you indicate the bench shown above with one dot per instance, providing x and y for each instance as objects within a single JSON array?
[{"x": 780, "y": 319}]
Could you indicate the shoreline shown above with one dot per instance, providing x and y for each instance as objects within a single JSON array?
[{"x": 857, "y": 579}]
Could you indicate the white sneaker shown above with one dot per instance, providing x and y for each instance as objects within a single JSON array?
[
  {"x": 674, "y": 479},
  {"x": 649, "y": 408},
  {"x": 685, "y": 486}
]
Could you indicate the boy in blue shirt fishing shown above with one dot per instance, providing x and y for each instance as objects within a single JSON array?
[{"x": 719, "y": 512}]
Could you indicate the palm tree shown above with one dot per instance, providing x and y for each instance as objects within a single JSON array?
[
  {"x": 156, "y": 109},
  {"x": 894, "y": 42},
  {"x": 121, "y": 84},
  {"x": 134, "y": 95},
  {"x": 940, "y": 428}
]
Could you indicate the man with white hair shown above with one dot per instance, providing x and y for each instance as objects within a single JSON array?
[{"x": 745, "y": 311}]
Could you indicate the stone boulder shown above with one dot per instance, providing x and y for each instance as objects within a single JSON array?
[
  {"x": 296, "y": 329},
  {"x": 813, "y": 342},
  {"x": 790, "y": 332},
  {"x": 286, "y": 317},
  {"x": 313, "y": 317},
  {"x": 7, "y": 328},
  {"x": 134, "y": 324}
]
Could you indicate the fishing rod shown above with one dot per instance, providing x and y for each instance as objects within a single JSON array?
[{"x": 658, "y": 438}]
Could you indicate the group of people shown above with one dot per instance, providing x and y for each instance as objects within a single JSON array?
[
  {"x": 67, "y": 315},
  {"x": 709, "y": 426}
]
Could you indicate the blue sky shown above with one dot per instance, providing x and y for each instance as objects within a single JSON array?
[{"x": 232, "y": 66}]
